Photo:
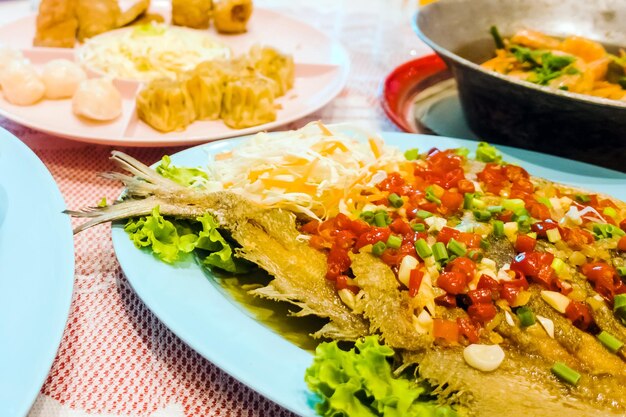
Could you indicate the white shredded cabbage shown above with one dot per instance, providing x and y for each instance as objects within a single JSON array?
[
  {"x": 313, "y": 170},
  {"x": 150, "y": 51}
]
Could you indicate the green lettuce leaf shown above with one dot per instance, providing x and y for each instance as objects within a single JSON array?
[
  {"x": 359, "y": 383},
  {"x": 184, "y": 176},
  {"x": 167, "y": 241},
  {"x": 171, "y": 241}
]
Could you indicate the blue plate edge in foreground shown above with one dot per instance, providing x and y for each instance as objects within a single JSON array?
[{"x": 20, "y": 398}]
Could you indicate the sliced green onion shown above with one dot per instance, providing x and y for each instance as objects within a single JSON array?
[
  {"x": 439, "y": 251},
  {"x": 475, "y": 255},
  {"x": 378, "y": 248},
  {"x": 545, "y": 201},
  {"x": 495, "y": 209},
  {"x": 412, "y": 154},
  {"x": 418, "y": 227},
  {"x": 619, "y": 307},
  {"x": 395, "y": 200},
  {"x": 482, "y": 215},
  {"x": 423, "y": 214},
  {"x": 487, "y": 153},
  {"x": 526, "y": 316},
  {"x": 422, "y": 249},
  {"x": 498, "y": 228},
  {"x": 619, "y": 301},
  {"x": 484, "y": 243},
  {"x": 610, "y": 342},
  {"x": 462, "y": 151},
  {"x": 609, "y": 211},
  {"x": 467, "y": 201},
  {"x": 457, "y": 247},
  {"x": 478, "y": 203},
  {"x": 394, "y": 242},
  {"x": 558, "y": 265},
  {"x": 565, "y": 373},
  {"x": 621, "y": 270},
  {"x": 430, "y": 196},
  {"x": 380, "y": 218},
  {"x": 582, "y": 198},
  {"x": 513, "y": 204},
  {"x": 603, "y": 231},
  {"x": 367, "y": 216},
  {"x": 496, "y": 37}
]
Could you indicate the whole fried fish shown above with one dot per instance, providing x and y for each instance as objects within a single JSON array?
[
  {"x": 268, "y": 238},
  {"x": 523, "y": 385}
]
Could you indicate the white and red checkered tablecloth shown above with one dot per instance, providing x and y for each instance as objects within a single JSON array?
[{"x": 116, "y": 358}]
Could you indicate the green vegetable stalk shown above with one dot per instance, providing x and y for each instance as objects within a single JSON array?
[{"x": 359, "y": 383}]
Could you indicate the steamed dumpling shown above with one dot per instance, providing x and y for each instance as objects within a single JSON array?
[
  {"x": 248, "y": 102},
  {"x": 61, "y": 78},
  {"x": 21, "y": 83},
  {"x": 8, "y": 55},
  {"x": 97, "y": 99},
  {"x": 166, "y": 105},
  {"x": 272, "y": 64},
  {"x": 206, "y": 85}
]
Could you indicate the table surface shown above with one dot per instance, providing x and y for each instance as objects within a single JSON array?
[{"x": 116, "y": 358}]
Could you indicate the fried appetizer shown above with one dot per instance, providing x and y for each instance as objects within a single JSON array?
[
  {"x": 231, "y": 16},
  {"x": 248, "y": 101},
  {"x": 272, "y": 64},
  {"x": 56, "y": 24},
  {"x": 206, "y": 86},
  {"x": 96, "y": 17},
  {"x": 134, "y": 12},
  {"x": 166, "y": 105},
  {"x": 192, "y": 13}
]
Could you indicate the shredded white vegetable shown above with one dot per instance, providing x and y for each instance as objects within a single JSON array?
[
  {"x": 150, "y": 51},
  {"x": 313, "y": 170}
]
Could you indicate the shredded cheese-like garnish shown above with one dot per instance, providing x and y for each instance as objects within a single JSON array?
[{"x": 317, "y": 170}]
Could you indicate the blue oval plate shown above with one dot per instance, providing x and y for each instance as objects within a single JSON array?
[
  {"x": 225, "y": 333},
  {"x": 36, "y": 274}
]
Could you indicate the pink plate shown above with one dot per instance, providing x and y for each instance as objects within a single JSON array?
[{"x": 322, "y": 67}]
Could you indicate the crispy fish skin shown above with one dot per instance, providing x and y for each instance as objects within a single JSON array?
[
  {"x": 523, "y": 386},
  {"x": 389, "y": 313},
  {"x": 268, "y": 237},
  {"x": 56, "y": 24}
]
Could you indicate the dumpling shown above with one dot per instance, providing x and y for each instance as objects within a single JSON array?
[
  {"x": 231, "y": 16},
  {"x": 206, "y": 87},
  {"x": 61, "y": 78},
  {"x": 8, "y": 55},
  {"x": 192, "y": 13},
  {"x": 97, "y": 99},
  {"x": 272, "y": 64},
  {"x": 166, "y": 105},
  {"x": 21, "y": 83},
  {"x": 248, "y": 102}
]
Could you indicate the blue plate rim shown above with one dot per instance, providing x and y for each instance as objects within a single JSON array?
[{"x": 23, "y": 398}]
